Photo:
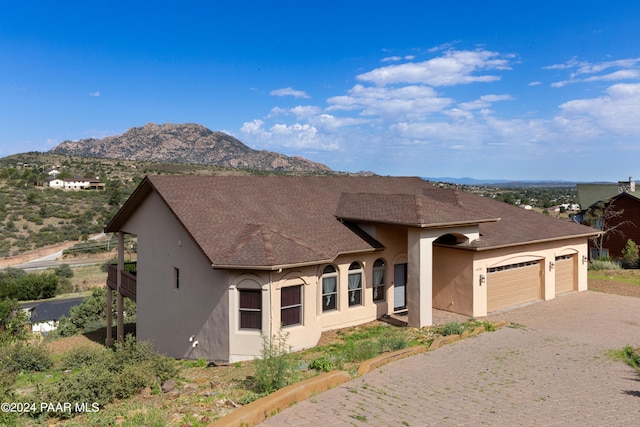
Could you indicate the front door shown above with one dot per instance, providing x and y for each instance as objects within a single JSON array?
[{"x": 399, "y": 287}]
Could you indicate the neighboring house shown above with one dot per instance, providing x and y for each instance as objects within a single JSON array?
[
  {"x": 44, "y": 316},
  {"x": 76, "y": 183},
  {"x": 617, "y": 198},
  {"x": 224, "y": 260}
]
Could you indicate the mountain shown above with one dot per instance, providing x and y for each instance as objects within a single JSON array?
[{"x": 185, "y": 143}]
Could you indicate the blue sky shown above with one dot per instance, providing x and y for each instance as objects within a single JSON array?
[{"x": 494, "y": 89}]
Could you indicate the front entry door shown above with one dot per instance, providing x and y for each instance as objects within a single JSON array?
[{"x": 399, "y": 287}]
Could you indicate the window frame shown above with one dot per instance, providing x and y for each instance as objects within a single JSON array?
[
  {"x": 291, "y": 307},
  {"x": 329, "y": 272},
  {"x": 355, "y": 294},
  {"x": 249, "y": 310},
  {"x": 380, "y": 288}
]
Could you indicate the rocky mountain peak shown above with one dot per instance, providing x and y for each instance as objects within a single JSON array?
[{"x": 185, "y": 143}]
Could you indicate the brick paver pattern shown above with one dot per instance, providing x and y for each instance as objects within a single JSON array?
[{"x": 553, "y": 369}]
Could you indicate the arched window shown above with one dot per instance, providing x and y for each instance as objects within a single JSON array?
[
  {"x": 355, "y": 284},
  {"x": 379, "y": 274},
  {"x": 329, "y": 288}
]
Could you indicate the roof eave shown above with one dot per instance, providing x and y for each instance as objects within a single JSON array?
[
  {"x": 530, "y": 242},
  {"x": 277, "y": 267},
  {"x": 423, "y": 225}
]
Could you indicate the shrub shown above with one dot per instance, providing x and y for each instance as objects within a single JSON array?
[
  {"x": 103, "y": 375},
  {"x": 366, "y": 349},
  {"x": 630, "y": 255},
  {"x": 83, "y": 356},
  {"x": 321, "y": 364},
  {"x": 24, "y": 357},
  {"x": 276, "y": 368},
  {"x": 393, "y": 342},
  {"x": 451, "y": 328},
  {"x": 597, "y": 264}
]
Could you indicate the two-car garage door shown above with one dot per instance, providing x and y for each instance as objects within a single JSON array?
[
  {"x": 513, "y": 284},
  {"x": 520, "y": 283}
]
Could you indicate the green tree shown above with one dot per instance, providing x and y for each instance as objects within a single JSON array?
[
  {"x": 12, "y": 321},
  {"x": 630, "y": 255}
]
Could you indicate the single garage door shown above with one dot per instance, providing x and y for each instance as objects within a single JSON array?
[
  {"x": 513, "y": 284},
  {"x": 566, "y": 280}
]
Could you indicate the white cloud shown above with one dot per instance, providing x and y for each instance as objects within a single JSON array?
[
  {"x": 289, "y": 91},
  {"x": 96, "y": 93},
  {"x": 484, "y": 101},
  {"x": 398, "y": 58},
  {"x": 413, "y": 107},
  {"x": 583, "y": 71},
  {"x": 614, "y": 112},
  {"x": 299, "y": 136},
  {"x": 390, "y": 102},
  {"x": 452, "y": 68}
]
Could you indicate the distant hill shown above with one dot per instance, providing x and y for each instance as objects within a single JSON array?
[
  {"x": 185, "y": 143},
  {"x": 500, "y": 182}
]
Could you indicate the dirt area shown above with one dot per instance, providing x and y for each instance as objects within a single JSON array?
[
  {"x": 37, "y": 253},
  {"x": 615, "y": 287}
]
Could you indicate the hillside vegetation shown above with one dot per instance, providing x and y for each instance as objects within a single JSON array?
[{"x": 33, "y": 215}]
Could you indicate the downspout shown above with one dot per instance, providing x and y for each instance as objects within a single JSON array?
[{"x": 271, "y": 314}]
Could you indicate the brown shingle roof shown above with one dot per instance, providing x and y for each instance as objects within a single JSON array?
[{"x": 277, "y": 221}]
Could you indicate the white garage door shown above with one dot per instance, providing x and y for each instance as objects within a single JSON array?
[
  {"x": 566, "y": 274},
  {"x": 513, "y": 284}
]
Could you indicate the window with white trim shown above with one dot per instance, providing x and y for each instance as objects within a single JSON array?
[
  {"x": 250, "y": 309},
  {"x": 329, "y": 288},
  {"x": 379, "y": 273},
  {"x": 291, "y": 305},
  {"x": 355, "y": 284}
]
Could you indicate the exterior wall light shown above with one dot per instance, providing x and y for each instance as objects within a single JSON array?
[
  {"x": 584, "y": 259},
  {"x": 552, "y": 265},
  {"x": 483, "y": 279}
]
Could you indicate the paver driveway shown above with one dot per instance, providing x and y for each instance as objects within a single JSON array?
[{"x": 554, "y": 370}]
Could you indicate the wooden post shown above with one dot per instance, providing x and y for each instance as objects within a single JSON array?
[
  {"x": 120, "y": 327},
  {"x": 109, "y": 340}
]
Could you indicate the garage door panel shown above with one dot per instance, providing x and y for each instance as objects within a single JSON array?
[
  {"x": 512, "y": 285},
  {"x": 566, "y": 274}
]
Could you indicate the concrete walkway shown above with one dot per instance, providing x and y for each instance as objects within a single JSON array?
[{"x": 553, "y": 370}]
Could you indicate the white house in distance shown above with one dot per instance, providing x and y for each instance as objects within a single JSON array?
[
  {"x": 224, "y": 259},
  {"x": 76, "y": 183}
]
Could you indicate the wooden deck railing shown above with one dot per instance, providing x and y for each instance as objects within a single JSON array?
[{"x": 128, "y": 284}]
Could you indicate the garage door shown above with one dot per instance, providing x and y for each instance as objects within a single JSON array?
[
  {"x": 566, "y": 274},
  {"x": 513, "y": 284}
]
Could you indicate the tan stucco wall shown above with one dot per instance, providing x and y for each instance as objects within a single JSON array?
[
  {"x": 453, "y": 280},
  {"x": 167, "y": 316},
  {"x": 545, "y": 252},
  {"x": 248, "y": 344}
]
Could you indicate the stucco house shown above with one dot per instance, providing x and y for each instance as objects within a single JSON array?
[
  {"x": 76, "y": 183},
  {"x": 223, "y": 260}
]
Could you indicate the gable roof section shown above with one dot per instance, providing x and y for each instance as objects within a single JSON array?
[
  {"x": 413, "y": 210},
  {"x": 280, "y": 221},
  {"x": 589, "y": 194},
  {"x": 53, "y": 310}
]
